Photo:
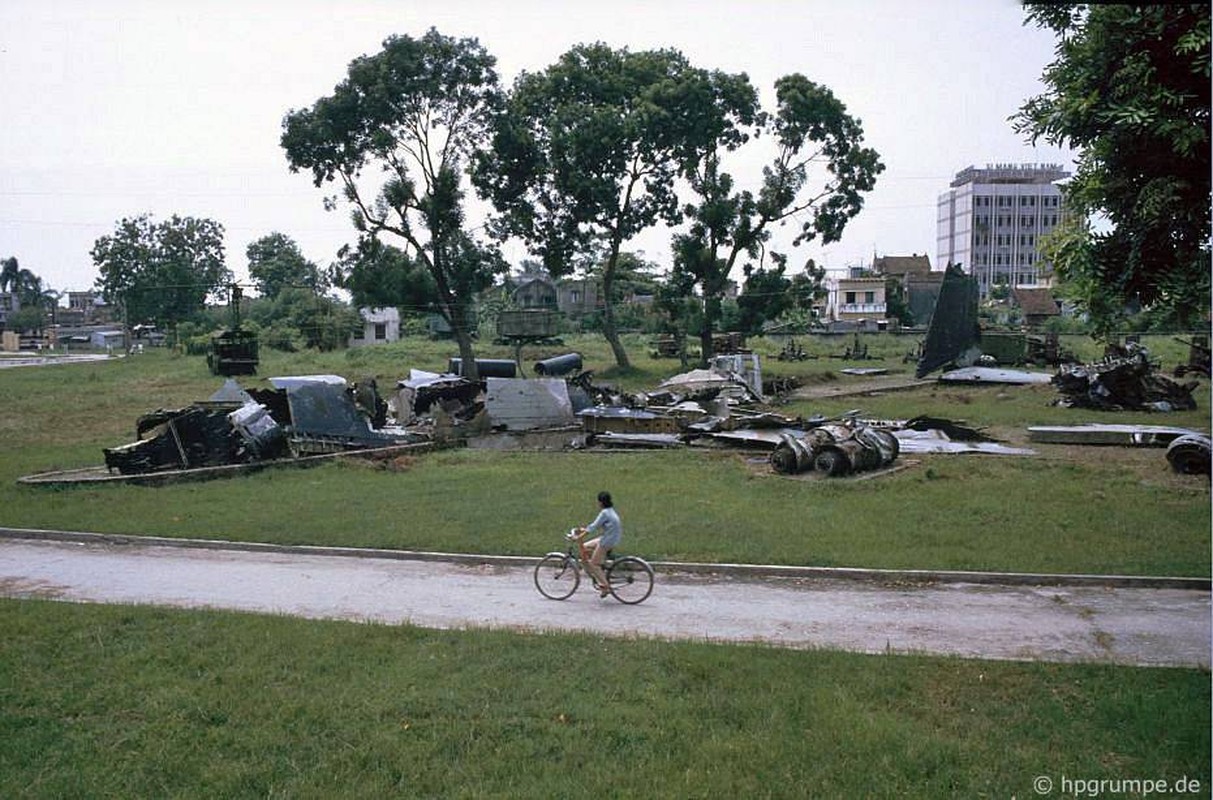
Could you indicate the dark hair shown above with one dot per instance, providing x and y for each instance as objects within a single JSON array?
[{"x": 605, "y": 499}]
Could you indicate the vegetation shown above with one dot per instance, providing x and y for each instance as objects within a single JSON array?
[
  {"x": 1130, "y": 89},
  {"x": 131, "y": 702},
  {"x": 276, "y": 263},
  {"x": 416, "y": 111},
  {"x": 36, "y": 300},
  {"x": 819, "y": 173},
  {"x": 161, "y": 272},
  {"x": 587, "y": 152}
]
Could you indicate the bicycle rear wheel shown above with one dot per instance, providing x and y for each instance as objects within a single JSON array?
[
  {"x": 556, "y": 576},
  {"x": 631, "y": 580}
]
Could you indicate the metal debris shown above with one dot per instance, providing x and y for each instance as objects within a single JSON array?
[
  {"x": 835, "y": 449},
  {"x": 1097, "y": 434},
  {"x": 1189, "y": 454},
  {"x": 995, "y": 375},
  {"x": 952, "y": 334},
  {"x": 518, "y": 405},
  {"x": 1124, "y": 380},
  {"x": 559, "y": 365}
]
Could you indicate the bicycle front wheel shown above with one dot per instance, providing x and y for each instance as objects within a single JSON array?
[
  {"x": 631, "y": 580},
  {"x": 556, "y": 576}
]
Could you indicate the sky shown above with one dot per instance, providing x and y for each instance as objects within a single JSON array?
[{"x": 113, "y": 109}]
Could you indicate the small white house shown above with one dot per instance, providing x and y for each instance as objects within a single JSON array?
[{"x": 379, "y": 325}]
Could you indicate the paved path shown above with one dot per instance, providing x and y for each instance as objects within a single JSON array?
[{"x": 1157, "y": 627}]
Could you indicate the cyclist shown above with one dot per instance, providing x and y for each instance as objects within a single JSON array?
[{"x": 611, "y": 534}]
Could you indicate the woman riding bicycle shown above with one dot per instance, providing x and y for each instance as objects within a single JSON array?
[{"x": 611, "y": 534}]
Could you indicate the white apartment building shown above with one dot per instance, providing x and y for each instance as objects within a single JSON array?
[{"x": 989, "y": 222}]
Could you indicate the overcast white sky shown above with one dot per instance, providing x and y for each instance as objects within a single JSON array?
[{"x": 116, "y": 108}]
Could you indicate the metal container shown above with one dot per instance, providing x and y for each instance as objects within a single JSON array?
[
  {"x": 486, "y": 367},
  {"x": 559, "y": 365}
]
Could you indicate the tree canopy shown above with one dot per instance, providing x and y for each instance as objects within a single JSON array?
[
  {"x": 819, "y": 174},
  {"x": 416, "y": 111},
  {"x": 161, "y": 272},
  {"x": 275, "y": 263},
  {"x": 378, "y": 275},
  {"x": 1129, "y": 88},
  {"x": 588, "y": 151}
]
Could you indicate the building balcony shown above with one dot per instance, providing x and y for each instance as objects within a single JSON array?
[{"x": 862, "y": 308}]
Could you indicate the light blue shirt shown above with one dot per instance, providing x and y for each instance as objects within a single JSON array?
[{"x": 612, "y": 528}]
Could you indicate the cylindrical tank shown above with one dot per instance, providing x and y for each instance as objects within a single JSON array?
[
  {"x": 487, "y": 367},
  {"x": 558, "y": 365}
]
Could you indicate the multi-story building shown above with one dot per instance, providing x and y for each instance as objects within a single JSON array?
[{"x": 991, "y": 220}]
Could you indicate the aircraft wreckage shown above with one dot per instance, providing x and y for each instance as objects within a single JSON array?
[{"x": 302, "y": 420}]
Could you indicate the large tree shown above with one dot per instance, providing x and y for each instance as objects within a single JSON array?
[
  {"x": 1129, "y": 88},
  {"x": 161, "y": 272},
  {"x": 818, "y": 174},
  {"x": 414, "y": 112},
  {"x": 275, "y": 262},
  {"x": 589, "y": 150}
]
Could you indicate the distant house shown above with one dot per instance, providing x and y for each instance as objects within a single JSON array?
[
  {"x": 902, "y": 266},
  {"x": 535, "y": 291},
  {"x": 379, "y": 326},
  {"x": 1038, "y": 306},
  {"x": 108, "y": 339},
  {"x": 859, "y": 298},
  {"x": 577, "y": 297},
  {"x": 920, "y": 283}
]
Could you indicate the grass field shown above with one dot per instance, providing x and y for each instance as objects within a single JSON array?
[
  {"x": 1101, "y": 510},
  {"x": 135, "y": 702},
  {"x": 129, "y": 702}
]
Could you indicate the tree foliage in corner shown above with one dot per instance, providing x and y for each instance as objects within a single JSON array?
[
  {"x": 161, "y": 272},
  {"x": 819, "y": 173},
  {"x": 588, "y": 154},
  {"x": 416, "y": 111},
  {"x": 1129, "y": 89}
]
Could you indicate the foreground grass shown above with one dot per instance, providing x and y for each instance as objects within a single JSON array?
[
  {"x": 134, "y": 702},
  {"x": 1109, "y": 511}
]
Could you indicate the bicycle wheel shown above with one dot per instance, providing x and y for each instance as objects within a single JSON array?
[
  {"x": 631, "y": 580},
  {"x": 556, "y": 576}
]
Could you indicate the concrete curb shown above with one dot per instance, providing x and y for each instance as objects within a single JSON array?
[{"x": 887, "y": 576}]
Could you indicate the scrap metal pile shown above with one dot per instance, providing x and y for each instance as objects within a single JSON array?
[
  {"x": 319, "y": 415},
  {"x": 300, "y": 416},
  {"x": 1123, "y": 380}
]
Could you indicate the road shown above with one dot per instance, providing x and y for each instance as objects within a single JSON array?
[{"x": 1152, "y": 627}]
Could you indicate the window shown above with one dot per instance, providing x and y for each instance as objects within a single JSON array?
[
  {"x": 869, "y": 297},
  {"x": 380, "y": 331},
  {"x": 851, "y": 298}
]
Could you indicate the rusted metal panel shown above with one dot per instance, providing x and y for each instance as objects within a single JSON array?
[{"x": 602, "y": 419}]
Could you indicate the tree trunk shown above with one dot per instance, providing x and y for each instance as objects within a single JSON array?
[
  {"x": 711, "y": 313},
  {"x": 463, "y": 337},
  {"x": 608, "y": 312}
]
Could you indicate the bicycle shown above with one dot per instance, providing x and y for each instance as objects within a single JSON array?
[{"x": 557, "y": 575}]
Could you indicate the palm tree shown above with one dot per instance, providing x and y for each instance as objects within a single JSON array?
[{"x": 9, "y": 274}]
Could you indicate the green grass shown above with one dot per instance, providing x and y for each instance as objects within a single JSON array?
[
  {"x": 133, "y": 702},
  {"x": 1110, "y": 510}
]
